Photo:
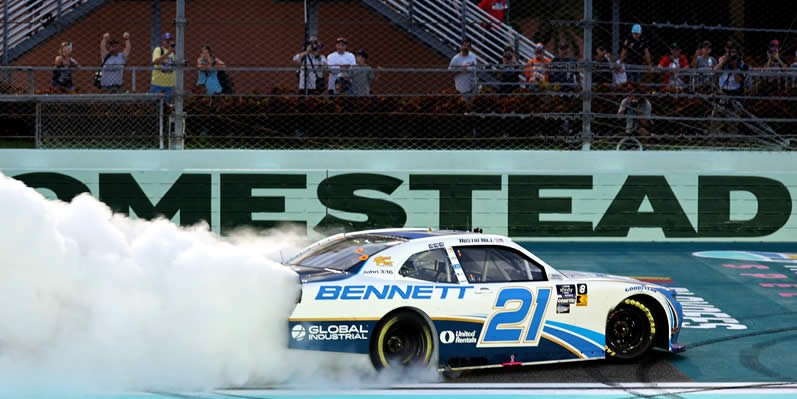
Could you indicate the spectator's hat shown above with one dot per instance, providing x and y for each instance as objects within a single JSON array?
[
  {"x": 774, "y": 43},
  {"x": 112, "y": 42},
  {"x": 341, "y": 40},
  {"x": 362, "y": 53},
  {"x": 674, "y": 46},
  {"x": 637, "y": 28},
  {"x": 539, "y": 47},
  {"x": 167, "y": 36}
]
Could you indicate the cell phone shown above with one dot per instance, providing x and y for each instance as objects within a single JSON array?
[{"x": 172, "y": 45}]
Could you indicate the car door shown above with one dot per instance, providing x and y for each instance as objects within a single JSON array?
[{"x": 514, "y": 294}]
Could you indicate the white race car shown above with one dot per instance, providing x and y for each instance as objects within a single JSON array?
[{"x": 459, "y": 300}]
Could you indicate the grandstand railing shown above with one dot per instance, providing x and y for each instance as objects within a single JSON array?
[
  {"x": 28, "y": 17},
  {"x": 453, "y": 21}
]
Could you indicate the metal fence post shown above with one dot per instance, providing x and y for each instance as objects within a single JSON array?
[
  {"x": 463, "y": 21},
  {"x": 179, "y": 115},
  {"x": 38, "y": 124},
  {"x": 6, "y": 73},
  {"x": 160, "y": 122},
  {"x": 31, "y": 85},
  {"x": 615, "y": 28},
  {"x": 586, "y": 111}
]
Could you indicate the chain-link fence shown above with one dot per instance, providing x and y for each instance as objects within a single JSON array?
[{"x": 393, "y": 74}]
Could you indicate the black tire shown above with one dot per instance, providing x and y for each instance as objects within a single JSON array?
[
  {"x": 402, "y": 340},
  {"x": 630, "y": 330}
]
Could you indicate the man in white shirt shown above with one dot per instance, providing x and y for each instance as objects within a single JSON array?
[
  {"x": 339, "y": 63},
  {"x": 464, "y": 64}
]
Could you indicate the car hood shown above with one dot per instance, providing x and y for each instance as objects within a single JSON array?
[{"x": 599, "y": 277}]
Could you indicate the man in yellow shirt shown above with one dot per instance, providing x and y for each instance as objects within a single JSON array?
[{"x": 164, "y": 78}]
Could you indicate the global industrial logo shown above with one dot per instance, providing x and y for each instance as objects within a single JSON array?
[{"x": 329, "y": 333}]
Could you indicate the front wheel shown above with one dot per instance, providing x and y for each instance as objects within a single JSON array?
[
  {"x": 402, "y": 340},
  {"x": 630, "y": 330}
]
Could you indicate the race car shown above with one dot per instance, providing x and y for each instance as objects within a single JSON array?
[{"x": 459, "y": 300}]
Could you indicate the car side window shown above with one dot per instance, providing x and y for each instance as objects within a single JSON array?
[
  {"x": 432, "y": 265},
  {"x": 484, "y": 264}
]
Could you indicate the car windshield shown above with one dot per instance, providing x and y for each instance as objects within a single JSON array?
[{"x": 345, "y": 253}]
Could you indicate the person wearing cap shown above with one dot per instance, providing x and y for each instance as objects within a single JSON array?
[
  {"x": 507, "y": 73},
  {"x": 732, "y": 82},
  {"x": 362, "y": 75},
  {"x": 773, "y": 58},
  {"x": 635, "y": 53},
  {"x": 464, "y": 64},
  {"x": 163, "y": 60},
  {"x": 496, "y": 8},
  {"x": 313, "y": 65},
  {"x": 563, "y": 68},
  {"x": 113, "y": 60},
  {"x": 703, "y": 60},
  {"x": 340, "y": 61},
  {"x": 536, "y": 70},
  {"x": 674, "y": 61}
]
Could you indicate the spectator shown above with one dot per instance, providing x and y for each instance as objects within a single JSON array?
[
  {"x": 732, "y": 82},
  {"x": 703, "y": 60},
  {"x": 563, "y": 68},
  {"x": 774, "y": 63},
  {"x": 610, "y": 71},
  {"x": 637, "y": 107},
  {"x": 64, "y": 64},
  {"x": 537, "y": 67},
  {"x": 113, "y": 62},
  {"x": 208, "y": 76},
  {"x": 340, "y": 63},
  {"x": 464, "y": 64},
  {"x": 674, "y": 61},
  {"x": 793, "y": 71},
  {"x": 508, "y": 72},
  {"x": 362, "y": 75},
  {"x": 635, "y": 53},
  {"x": 311, "y": 73},
  {"x": 496, "y": 8},
  {"x": 163, "y": 76}
]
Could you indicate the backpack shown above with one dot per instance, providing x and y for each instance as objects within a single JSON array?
[
  {"x": 227, "y": 86},
  {"x": 98, "y": 74}
]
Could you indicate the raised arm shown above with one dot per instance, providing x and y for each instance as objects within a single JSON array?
[
  {"x": 104, "y": 44},
  {"x": 126, "y": 37}
]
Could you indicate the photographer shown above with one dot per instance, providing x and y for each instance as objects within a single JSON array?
[
  {"x": 163, "y": 60},
  {"x": 635, "y": 106},
  {"x": 732, "y": 82},
  {"x": 508, "y": 72},
  {"x": 208, "y": 75},
  {"x": 311, "y": 73}
]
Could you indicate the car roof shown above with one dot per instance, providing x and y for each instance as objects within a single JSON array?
[{"x": 412, "y": 233}]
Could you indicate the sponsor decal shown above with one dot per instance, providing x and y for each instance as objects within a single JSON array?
[
  {"x": 458, "y": 337},
  {"x": 383, "y": 261},
  {"x": 566, "y": 291},
  {"x": 581, "y": 289},
  {"x": 640, "y": 288},
  {"x": 562, "y": 308},
  {"x": 335, "y": 332},
  {"x": 390, "y": 291},
  {"x": 565, "y": 301},
  {"x": 298, "y": 332},
  {"x": 582, "y": 300},
  {"x": 474, "y": 240},
  {"x": 436, "y": 245},
  {"x": 379, "y": 271}
]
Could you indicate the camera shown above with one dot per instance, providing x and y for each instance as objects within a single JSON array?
[
  {"x": 172, "y": 45},
  {"x": 508, "y": 56}
]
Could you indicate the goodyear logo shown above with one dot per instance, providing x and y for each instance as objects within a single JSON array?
[{"x": 389, "y": 291}]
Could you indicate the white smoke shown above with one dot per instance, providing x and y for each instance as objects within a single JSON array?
[{"x": 90, "y": 300}]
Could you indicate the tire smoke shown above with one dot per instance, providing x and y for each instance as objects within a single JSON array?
[{"x": 93, "y": 301}]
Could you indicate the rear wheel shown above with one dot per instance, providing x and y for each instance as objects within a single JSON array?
[
  {"x": 402, "y": 340},
  {"x": 630, "y": 330}
]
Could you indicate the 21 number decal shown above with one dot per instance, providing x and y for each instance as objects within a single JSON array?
[{"x": 519, "y": 319}]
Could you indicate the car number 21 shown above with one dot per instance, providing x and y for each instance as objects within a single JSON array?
[{"x": 517, "y": 318}]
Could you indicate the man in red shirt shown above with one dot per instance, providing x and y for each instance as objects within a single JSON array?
[
  {"x": 674, "y": 61},
  {"x": 496, "y": 8}
]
